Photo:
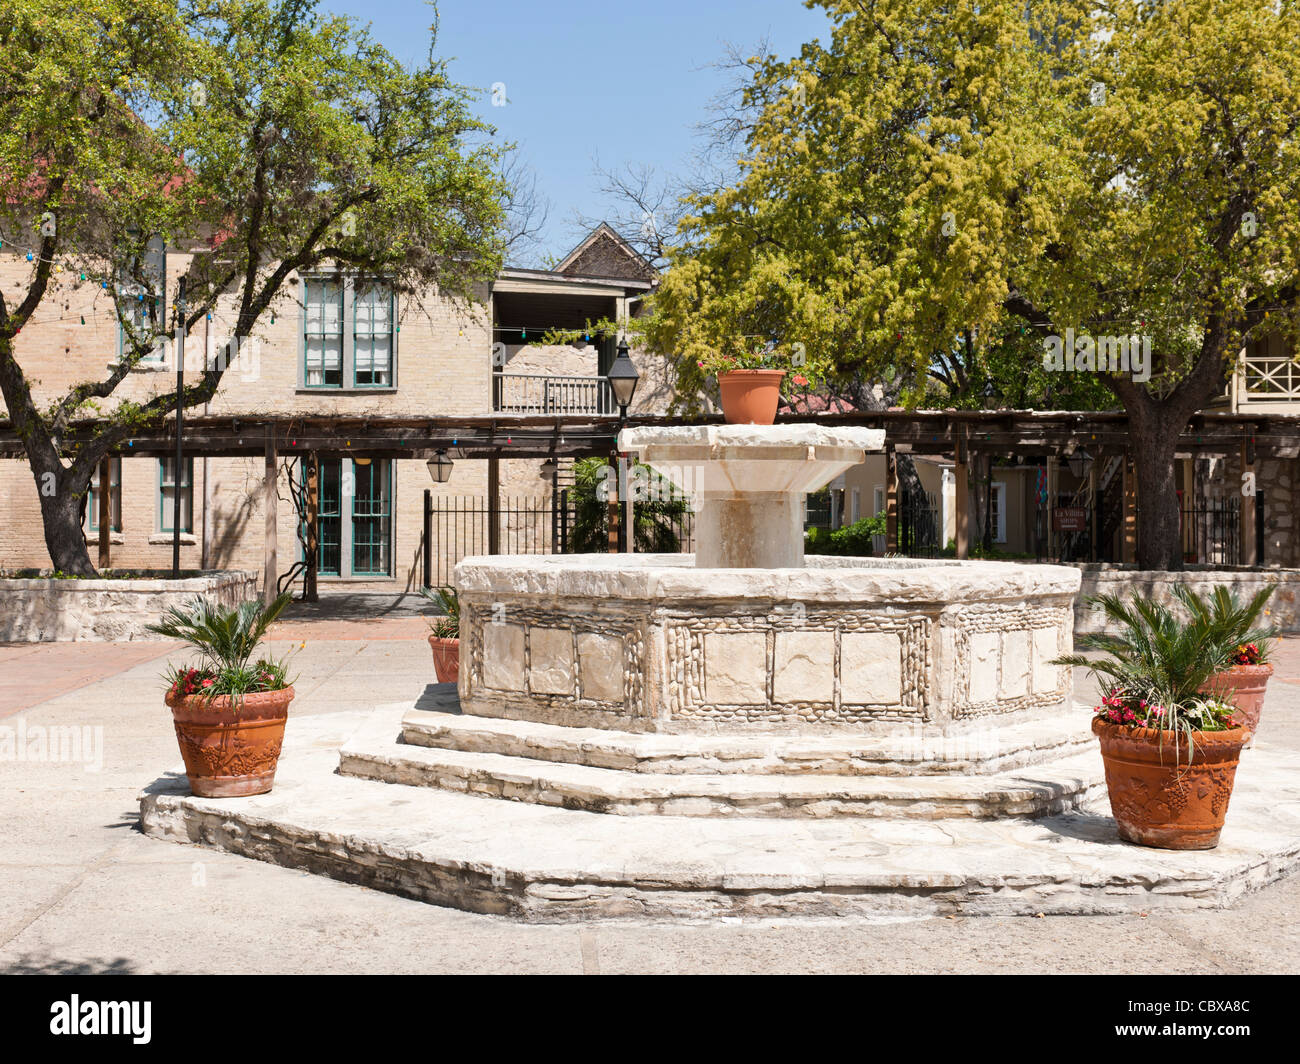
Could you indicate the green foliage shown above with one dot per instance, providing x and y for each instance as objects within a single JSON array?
[
  {"x": 854, "y": 541},
  {"x": 655, "y": 520},
  {"x": 445, "y": 600},
  {"x": 225, "y": 639},
  {"x": 1156, "y": 663},
  {"x": 1230, "y": 624},
  {"x": 942, "y": 174},
  {"x": 263, "y": 136}
]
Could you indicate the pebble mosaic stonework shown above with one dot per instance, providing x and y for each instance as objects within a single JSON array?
[{"x": 649, "y": 643}]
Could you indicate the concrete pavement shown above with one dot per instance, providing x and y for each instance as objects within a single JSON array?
[{"x": 82, "y": 890}]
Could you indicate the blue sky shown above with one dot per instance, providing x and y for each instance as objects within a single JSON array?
[{"x": 590, "y": 78}]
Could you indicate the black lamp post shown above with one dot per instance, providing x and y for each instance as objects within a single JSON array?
[
  {"x": 623, "y": 377},
  {"x": 1078, "y": 463},
  {"x": 992, "y": 396},
  {"x": 440, "y": 467}
]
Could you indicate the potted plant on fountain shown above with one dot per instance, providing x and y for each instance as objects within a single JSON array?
[
  {"x": 1170, "y": 750},
  {"x": 444, "y": 633},
  {"x": 1242, "y": 678},
  {"x": 229, "y": 710},
  {"x": 750, "y": 383}
]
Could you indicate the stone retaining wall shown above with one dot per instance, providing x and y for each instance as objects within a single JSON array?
[
  {"x": 1283, "y": 607},
  {"x": 47, "y": 611}
]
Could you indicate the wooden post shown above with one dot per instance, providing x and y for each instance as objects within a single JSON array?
[
  {"x": 270, "y": 499},
  {"x": 309, "y": 591},
  {"x": 494, "y": 505},
  {"x": 1249, "y": 511},
  {"x": 1053, "y": 493},
  {"x": 961, "y": 491},
  {"x": 1128, "y": 528},
  {"x": 612, "y": 501},
  {"x": 891, "y": 501},
  {"x": 105, "y": 512},
  {"x": 628, "y": 536},
  {"x": 1093, "y": 484}
]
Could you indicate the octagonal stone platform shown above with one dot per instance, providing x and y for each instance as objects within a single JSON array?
[
  {"x": 651, "y": 643},
  {"x": 547, "y": 863}
]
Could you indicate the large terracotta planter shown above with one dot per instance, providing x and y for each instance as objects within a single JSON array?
[
  {"x": 230, "y": 751},
  {"x": 750, "y": 396},
  {"x": 1160, "y": 796},
  {"x": 446, "y": 658},
  {"x": 1243, "y": 685}
]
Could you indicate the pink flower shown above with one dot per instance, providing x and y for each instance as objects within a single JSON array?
[
  {"x": 207, "y": 683},
  {"x": 800, "y": 380}
]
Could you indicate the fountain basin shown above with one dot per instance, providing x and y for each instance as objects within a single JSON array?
[
  {"x": 747, "y": 482},
  {"x": 651, "y": 643}
]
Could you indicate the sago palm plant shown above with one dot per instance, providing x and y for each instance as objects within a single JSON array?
[
  {"x": 1154, "y": 665},
  {"x": 1230, "y": 624},
  {"x": 225, "y": 638},
  {"x": 445, "y": 599}
]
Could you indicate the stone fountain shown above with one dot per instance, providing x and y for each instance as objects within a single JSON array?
[
  {"x": 744, "y": 732},
  {"x": 748, "y": 637}
]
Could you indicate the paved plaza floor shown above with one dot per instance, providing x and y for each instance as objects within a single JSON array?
[{"x": 81, "y": 890}]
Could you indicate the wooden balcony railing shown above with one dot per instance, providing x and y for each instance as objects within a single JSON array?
[
  {"x": 1268, "y": 379},
  {"x": 526, "y": 393}
]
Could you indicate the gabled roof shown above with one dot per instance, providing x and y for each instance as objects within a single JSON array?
[{"x": 604, "y": 253}]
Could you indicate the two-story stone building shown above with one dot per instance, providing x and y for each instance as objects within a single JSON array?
[{"x": 330, "y": 346}]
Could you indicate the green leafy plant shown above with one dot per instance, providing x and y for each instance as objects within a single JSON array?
[
  {"x": 1232, "y": 625},
  {"x": 1155, "y": 664},
  {"x": 853, "y": 540},
  {"x": 742, "y": 356},
  {"x": 656, "y": 520},
  {"x": 225, "y": 638},
  {"x": 445, "y": 599}
]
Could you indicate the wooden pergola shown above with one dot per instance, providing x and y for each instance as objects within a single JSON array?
[{"x": 964, "y": 436}]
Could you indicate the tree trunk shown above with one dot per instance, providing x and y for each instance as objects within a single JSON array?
[
  {"x": 1154, "y": 440},
  {"x": 61, "y": 517}
]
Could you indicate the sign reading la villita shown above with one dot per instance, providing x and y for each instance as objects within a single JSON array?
[{"x": 102, "y": 1018}]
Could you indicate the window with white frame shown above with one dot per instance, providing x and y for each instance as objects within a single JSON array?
[
  {"x": 323, "y": 333},
  {"x": 349, "y": 333},
  {"x": 167, "y": 488},
  {"x": 998, "y": 511},
  {"x": 372, "y": 337},
  {"x": 114, "y": 497}
]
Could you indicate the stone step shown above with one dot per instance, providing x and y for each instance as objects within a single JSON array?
[
  {"x": 374, "y": 752},
  {"x": 548, "y": 864},
  {"x": 980, "y": 751}
]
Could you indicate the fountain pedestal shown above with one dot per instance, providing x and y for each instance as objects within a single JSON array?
[{"x": 747, "y": 482}]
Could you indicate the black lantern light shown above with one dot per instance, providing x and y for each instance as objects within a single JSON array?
[
  {"x": 623, "y": 377},
  {"x": 440, "y": 467},
  {"x": 1078, "y": 463},
  {"x": 992, "y": 396}
]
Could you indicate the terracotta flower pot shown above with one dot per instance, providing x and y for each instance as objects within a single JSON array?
[
  {"x": 231, "y": 751},
  {"x": 750, "y": 396},
  {"x": 446, "y": 658},
  {"x": 1160, "y": 796},
  {"x": 1243, "y": 686}
]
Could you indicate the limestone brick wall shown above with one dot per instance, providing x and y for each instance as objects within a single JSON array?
[
  {"x": 443, "y": 367},
  {"x": 442, "y": 348}
]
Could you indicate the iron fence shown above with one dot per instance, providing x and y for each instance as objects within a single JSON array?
[
  {"x": 461, "y": 526},
  {"x": 920, "y": 525},
  {"x": 1211, "y": 530}
]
